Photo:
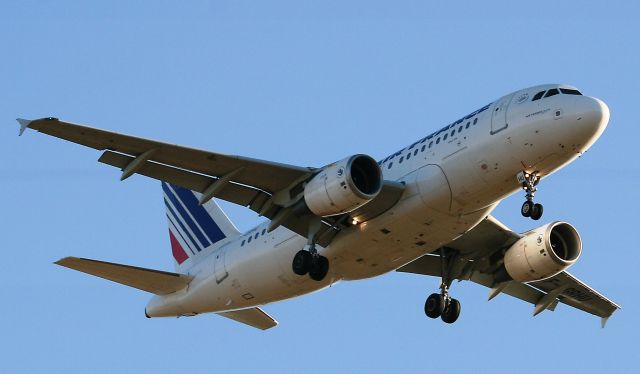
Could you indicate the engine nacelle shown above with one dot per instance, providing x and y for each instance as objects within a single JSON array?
[
  {"x": 543, "y": 252},
  {"x": 343, "y": 186}
]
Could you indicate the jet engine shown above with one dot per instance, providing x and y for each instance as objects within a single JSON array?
[
  {"x": 343, "y": 186},
  {"x": 542, "y": 253}
]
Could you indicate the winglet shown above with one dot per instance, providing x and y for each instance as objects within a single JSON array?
[
  {"x": 603, "y": 321},
  {"x": 24, "y": 123}
]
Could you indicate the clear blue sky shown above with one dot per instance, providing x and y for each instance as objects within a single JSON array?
[{"x": 303, "y": 83}]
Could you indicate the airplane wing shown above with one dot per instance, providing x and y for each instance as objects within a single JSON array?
[
  {"x": 474, "y": 250},
  {"x": 254, "y": 317},
  {"x": 241, "y": 180},
  {"x": 267, "y": 176},
  {"x": 154, "y": 281}
]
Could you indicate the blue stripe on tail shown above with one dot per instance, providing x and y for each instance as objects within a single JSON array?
[
  {"x": 204, "y": 227},
  {"x": 173, "y": 214},
  {"x": 175, "y": 229},
  {"x": 201, "y": 216},
  {"x": 185, "y": 216}
]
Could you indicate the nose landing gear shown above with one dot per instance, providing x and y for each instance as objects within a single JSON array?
[
  {"x": 529, "y": 182},
  {"x": 442, "y": 305}
]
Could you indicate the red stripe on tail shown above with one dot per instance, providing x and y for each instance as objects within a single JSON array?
[{"x": 178, "y": 252}]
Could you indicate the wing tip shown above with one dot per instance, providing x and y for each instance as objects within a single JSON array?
[
  {"x": 64, "y": 261},
  {"x": 24, "y": 124}
]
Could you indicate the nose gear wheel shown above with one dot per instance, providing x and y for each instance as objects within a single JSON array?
[{"x": 529, "y": 182}]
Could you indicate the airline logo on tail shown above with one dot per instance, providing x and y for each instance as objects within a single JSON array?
[{"x": 191, "y": 227}]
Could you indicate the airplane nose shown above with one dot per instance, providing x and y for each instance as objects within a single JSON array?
[
  {"x": 592, "y": 117},
  {"x": 595, "y": 113}
]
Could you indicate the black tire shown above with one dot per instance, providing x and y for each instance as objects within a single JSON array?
[
  {"x": 451, "y": 311},
  {"x": 527, "y": 208},
  {"x": 301, "y": 262},
  {"x": 434, "y": 305},
  {"x": 536, "y": 212},
  {"x": 319, "y": 269}
]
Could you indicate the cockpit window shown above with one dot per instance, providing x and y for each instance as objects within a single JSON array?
[
  {"x": 552, "y": 92},
  {"x": 570, "y": 91},
  {"x": 538, "y": 96}
]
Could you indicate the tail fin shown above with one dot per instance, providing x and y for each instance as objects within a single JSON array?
[{"x": 194, "y": 230}]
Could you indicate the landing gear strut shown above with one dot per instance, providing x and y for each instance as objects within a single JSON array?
[
  {"x": 442, "y": 305},
  {"x": 529, "y": 182},
  {"x": 310, "y": 261}
]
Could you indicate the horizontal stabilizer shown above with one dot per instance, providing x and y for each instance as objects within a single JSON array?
[
  {"x": 154, "y": 281},
  {"x": 254, "y": 317}
]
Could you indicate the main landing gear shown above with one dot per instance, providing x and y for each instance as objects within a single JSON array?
[
  {"x": 529, "y": 182},
  {"x": 310, "y": 261},
  {"x": 442, "y": 305}
]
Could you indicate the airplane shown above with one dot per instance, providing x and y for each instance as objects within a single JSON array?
[{"x": 425, "y": 209}]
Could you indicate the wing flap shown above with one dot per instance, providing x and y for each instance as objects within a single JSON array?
[
  {"x": 154, "y": 281},
  {"x": 254, "y": 317},
  {"x": 232, "y": 192},
  {"x": 577, "y": 294}
]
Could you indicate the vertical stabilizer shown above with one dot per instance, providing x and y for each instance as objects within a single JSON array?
[{"x": 194, "y": 230}]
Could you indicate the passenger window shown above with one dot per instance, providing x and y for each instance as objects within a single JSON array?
[
  {"x": 459, "y": 129},
  {"x": 552, "y": 92},
  {"x": 408, "y": 155},
  {"x": 416, "y": 151},
  {"x": 538, "y": 96},
  {"x": 570, "y": 91},
  {"x": 475, "y": 121},
  {"x": 264, "y": 231},
  {"x": 467, "y": 126},
  {"x": 445, "y": 136},
  {"x": 453, "y": 132},
  {"x": 438, "y": 140},
  {"x": 430, "y": 144},
  {"x": 242, "y": 245},
  {"x": 389, "y": 167},
  {"x": 401, "y": 159},
  {"x": 249, "y": 240}
]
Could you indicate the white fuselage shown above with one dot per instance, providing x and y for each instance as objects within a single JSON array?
[{"x": 454, "y": 178}]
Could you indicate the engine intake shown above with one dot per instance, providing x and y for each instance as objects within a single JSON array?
[
  {"x": 542, "y": 253},
  {"x": 343, "y": 186}
]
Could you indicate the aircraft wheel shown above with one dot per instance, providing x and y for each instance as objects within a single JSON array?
[
  {"x": 434, "y": 305},
  {"x": 527, "y": 208},
  {"x": 319, "y": 269},
  {"x": 536, "y": 212},
  {"x": 302, "y": 262},
  {"x": 451, "y": 311}
]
